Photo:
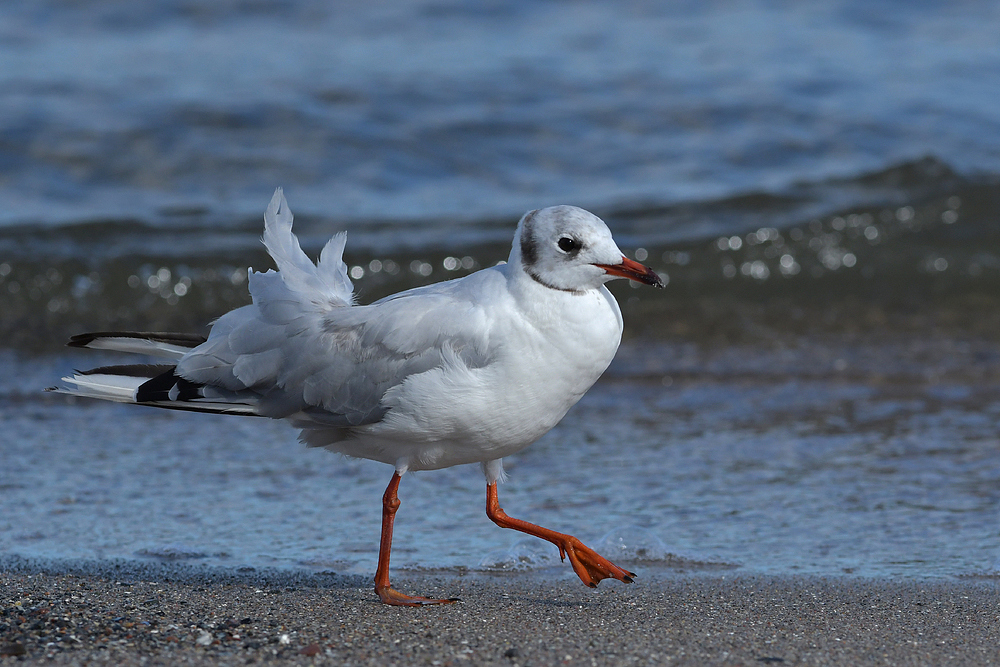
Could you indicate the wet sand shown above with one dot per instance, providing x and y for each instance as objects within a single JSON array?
[{"x": 128, "y": 613}]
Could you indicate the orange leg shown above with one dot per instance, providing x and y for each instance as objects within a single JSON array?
[
  {"x": 389, "y": 595},
  {"x": 590, "y": 566}
]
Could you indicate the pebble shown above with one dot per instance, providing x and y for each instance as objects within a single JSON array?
[{"x": 214, "y": 617}]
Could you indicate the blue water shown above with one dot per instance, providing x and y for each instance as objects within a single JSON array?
[
  {"x": 815, "y": 391},
  {"x": 417, "y": 110}
]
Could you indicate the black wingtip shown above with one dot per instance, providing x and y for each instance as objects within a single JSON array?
[{"x": 81, "y": 340}]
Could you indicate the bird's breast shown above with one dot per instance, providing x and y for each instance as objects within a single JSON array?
[{"x": 571, "y": 344}]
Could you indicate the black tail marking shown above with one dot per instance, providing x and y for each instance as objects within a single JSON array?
[{"x": 168, "y": 386}]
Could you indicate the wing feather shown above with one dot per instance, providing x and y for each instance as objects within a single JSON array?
[{"x": 308, "y": 351}]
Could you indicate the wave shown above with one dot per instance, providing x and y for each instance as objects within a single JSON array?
[{"x": 841, "y": 252}]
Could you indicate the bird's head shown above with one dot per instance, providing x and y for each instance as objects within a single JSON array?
[{"x": 570, "y": 249}]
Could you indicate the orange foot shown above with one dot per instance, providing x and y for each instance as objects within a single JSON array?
[
  {"x": 589, "y": 565},
  {"x": 391, "y": 596}
]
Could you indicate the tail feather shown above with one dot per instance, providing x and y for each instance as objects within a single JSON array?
[
  {"x": 155, "y": 385},
  {"x": 110, "y": 383}
]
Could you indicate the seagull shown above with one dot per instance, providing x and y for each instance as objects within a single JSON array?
[{"x": 469, "y": 370}]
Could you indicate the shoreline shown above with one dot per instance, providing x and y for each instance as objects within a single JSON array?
[{"x": 123, "y": 612}]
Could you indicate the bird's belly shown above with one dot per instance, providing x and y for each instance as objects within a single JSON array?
[
  {"x": 470, "y": 423},
  {"x": 454, "y": 414}
]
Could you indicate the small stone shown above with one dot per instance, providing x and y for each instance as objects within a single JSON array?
[
  {"x": 311, "y": 649},
  {"x": 204, "y": 638},
  {"x": 14, "y": 648}
]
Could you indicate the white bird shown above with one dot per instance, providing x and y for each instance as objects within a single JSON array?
[{"x": 463, "y": 371}]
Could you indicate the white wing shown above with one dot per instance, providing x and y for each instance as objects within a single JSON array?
[{"x": 303, "y": 348}]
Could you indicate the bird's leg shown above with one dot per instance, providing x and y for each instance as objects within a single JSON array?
[
  {"x": 589, "y": 565},
  {"x": 389, "y": 595}
]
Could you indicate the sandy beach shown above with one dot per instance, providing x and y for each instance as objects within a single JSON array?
[{"x": 130, "y": 614}]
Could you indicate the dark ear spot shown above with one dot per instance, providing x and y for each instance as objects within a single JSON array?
[{"x": 529, "y": 249}]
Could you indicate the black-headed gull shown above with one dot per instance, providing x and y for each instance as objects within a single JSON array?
[{"x": 464, "y": 371}]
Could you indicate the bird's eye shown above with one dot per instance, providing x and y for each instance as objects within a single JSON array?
[{"x": 567, "y": 244}]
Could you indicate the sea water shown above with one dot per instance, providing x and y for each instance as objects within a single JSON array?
[{"x": 816, "y": 391}]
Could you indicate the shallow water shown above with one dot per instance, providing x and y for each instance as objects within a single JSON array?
[{"x": 765, "y": 470}]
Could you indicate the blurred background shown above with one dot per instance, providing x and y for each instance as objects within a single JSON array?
[{"x": 819, "y": 182}]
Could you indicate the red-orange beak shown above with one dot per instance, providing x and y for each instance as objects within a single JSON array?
[{"x": 633, "y": 271}]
